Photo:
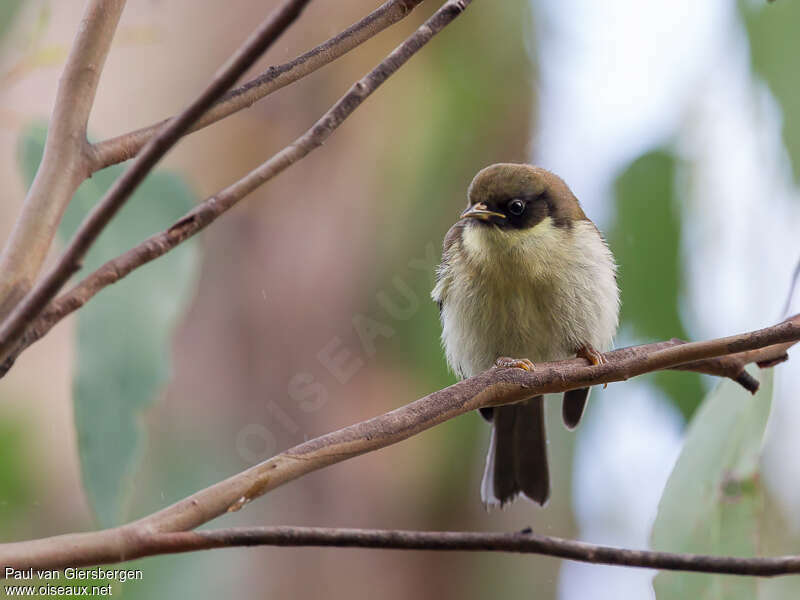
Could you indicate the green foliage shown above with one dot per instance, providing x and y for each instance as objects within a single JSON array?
[
  {"x": 15, "y": 475},
  {"x": 8, "y": 10},
  {"x": 646, "y": 242},
  {"x": 774, "y": 48},
  {"x": 123, "y": 334},
  {"x": 714, "y": 498}
]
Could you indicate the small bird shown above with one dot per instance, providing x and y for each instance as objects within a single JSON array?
[{"x": 524, "y": 274}]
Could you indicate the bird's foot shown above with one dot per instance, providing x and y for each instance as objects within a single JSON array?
[
  {"x": 505, "y": 362},
  {"x": 594, "y": 357}
]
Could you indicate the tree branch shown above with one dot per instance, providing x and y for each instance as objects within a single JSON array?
[
  {"x": 208, "y": 211},
  {"x": 69, "y": 262},
  {"x": 733, "y": 365},
  {"x": 115, "y": 150},
  {"x": 494, "y": 387},
  {"x": 65, "y": 163},
  {"x": 523, "y": 542}
]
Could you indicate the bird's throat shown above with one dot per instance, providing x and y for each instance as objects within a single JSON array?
[{"x": 532, "y": 249}]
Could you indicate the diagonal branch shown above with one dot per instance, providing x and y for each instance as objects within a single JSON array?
[
  {"x": 208, "y": 211},
  {"x": 494, "y": 387},
  {"x": 97, "y": 219},
  {"x": 65, "y": 163},
  {"x": 118, "y": 149},
  {"x": 733, "y": 365},
  {"x": 522, "y": 542}
]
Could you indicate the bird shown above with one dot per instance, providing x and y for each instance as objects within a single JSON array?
[{"x": 525, "y": 277}]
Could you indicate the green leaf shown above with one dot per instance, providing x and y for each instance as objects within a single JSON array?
[
  {"x": 713, "y": 499},
  {"x": 16, "y": 475},
  {"x": 8, "y": 10},
  {"x": 123, "y": 334},
  {"x": 774, "y": 46},
  {"x": 646, "y": 243}
]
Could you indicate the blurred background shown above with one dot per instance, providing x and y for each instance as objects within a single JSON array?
[{"x": 676, "y": 123}]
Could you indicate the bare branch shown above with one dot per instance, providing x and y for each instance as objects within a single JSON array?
[
  {"x": 733, "y": 365},
  {"x": 65, "y": 163},
  {"x": 45, "y": 289},
  {"x": 209, "y": 210},
  {"x": 494, "y": 387},
  {"x": 125, "y": 146},
  {"x": 523, "y": 542}
]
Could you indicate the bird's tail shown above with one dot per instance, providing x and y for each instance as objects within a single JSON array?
[{"x": 517, "y": 459}]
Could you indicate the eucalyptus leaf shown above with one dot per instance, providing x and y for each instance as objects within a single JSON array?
[
  {"x": 774, "y": 47},
  {"x": 714, "y": 498},
  {"x": 646, "y": 240},
  {"x": 8, "y": 11},
  {"x": 123, "y": 334}
]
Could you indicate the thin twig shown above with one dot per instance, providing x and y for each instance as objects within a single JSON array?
[
  {"x": 792, "y": 287},
  {"x": 65, "y": 163},
  {"x": 97, "y": 219},
  {"x": 125, "y": 146},
  {"x": 494, "y": 387},
  {"x": 733, "y": 365},
  {"x": 212, "y": 208},
  {"x": 523, "y": 542}
]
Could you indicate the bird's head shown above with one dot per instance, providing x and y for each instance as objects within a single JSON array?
[{"x": 518, "y": 197}]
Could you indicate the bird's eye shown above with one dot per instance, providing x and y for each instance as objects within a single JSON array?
[{"x": 516, "y": 207}]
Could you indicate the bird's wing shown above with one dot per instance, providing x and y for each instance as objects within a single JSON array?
[{"x": 451, "y": 239}]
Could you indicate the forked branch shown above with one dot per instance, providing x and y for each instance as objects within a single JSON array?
[
  {"x": 118, "y": 149},
  {"x": 65, "y": 163},
  {"x": 69, "y": 159},
  {"x": 208, "y": 211},
  {"x": 492, "y": 388},
  {"x": 48, "y": 286}
]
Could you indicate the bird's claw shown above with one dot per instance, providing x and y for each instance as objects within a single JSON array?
[
  {"x": 505, "y": 362},
  {"x": 594, "y": 357}
]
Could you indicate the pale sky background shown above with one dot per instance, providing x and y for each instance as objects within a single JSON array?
[{"x": 619, "y": 78}]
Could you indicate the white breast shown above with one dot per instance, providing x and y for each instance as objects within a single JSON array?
[{"x": 538, "y": 293}]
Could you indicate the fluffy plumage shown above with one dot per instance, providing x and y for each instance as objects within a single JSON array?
[{"x": 538, "y": 285}]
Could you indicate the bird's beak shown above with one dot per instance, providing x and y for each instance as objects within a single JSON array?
[{"x": 480, "y": 211}]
